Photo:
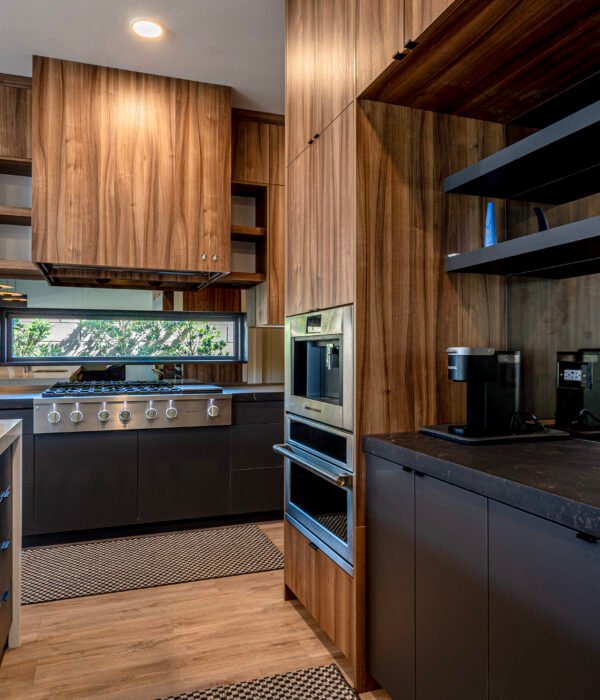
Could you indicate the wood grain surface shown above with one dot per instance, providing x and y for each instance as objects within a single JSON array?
[
  {"x": 15, "y": 116},
  {"x": 129, "y": 170}
]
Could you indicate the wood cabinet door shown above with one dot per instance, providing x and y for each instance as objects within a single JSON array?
[
  {"x": 544, "y": 609},
  {"x": 15, "y": 117},
  {"x": 333, "y": 86},
  {"x": 250, "y": 150},
  {"x": 302, "y": 253},
  {"x": 130, "y": 171},
  {"x": 419, "y": 14},
  {"x": 451, "y": 592},
  {"x": 334, "y": 196},
  {"x": 270, "y": 296},
  {"x": 379, "y": 35},
  {"x": 299, "y": 75}
]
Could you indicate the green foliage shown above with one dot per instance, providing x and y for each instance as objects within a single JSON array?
[{"x": 119, "y": 338}]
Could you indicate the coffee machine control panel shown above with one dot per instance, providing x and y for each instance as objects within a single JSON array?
[{"x": 574, "y": 375}]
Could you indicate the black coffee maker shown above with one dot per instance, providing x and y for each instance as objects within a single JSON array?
[{"x": 578, "y": 392}]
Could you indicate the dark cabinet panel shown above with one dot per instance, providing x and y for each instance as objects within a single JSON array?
[
  {"x": 544, "y": 609},
  {"x": 183, "y": 473},
  {"x": 451, "y": 585},
  {"x": 27, "y": 441},
  {"x": 257, "y": 412},
  {"x": 252, "y": 445},
  {"x": 28, "y": 510},
  {"x": 28, "y": 457},
  {"x": 257, "y": 490},
  {"x": 391, "y": 577},
  {"x": 85, "y": 481},
  {"x": 6, "y": 495}
]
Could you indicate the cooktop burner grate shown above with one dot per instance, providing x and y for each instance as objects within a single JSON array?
[{"x": 111, "y": 388}]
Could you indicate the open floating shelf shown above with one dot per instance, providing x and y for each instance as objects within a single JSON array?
[
  {"x": 555, "y": 165},
  {"x": 20, "y": 269},
  {"x": 18, "y": 216},
  {"x": 247, "y": 233},
  {"x": 241, "y": 280},
  {"x": 10, "y": 165},
  {"x": 565, "y": 251}
]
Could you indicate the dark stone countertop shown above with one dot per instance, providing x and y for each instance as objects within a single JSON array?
[
  {"x": 557, "y": 480},
  {"x": 255, "y": 392}
]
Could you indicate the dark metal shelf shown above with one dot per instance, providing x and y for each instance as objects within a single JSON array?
[
  {"x": 558, "y": 164},
  {"x": 564, "y": 251}
]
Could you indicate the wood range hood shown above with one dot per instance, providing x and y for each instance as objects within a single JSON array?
[{"x": 131, "y": 178}]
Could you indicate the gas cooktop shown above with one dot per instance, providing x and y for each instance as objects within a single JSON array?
[{"x": 130, "y": 388}]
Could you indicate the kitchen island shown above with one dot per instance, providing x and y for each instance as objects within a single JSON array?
[
  {"x": 483, "y": 568},
  {"x": 10, "y": 533}
]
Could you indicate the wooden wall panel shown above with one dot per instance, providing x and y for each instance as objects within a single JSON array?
[
  {"x": 15, "y": 116},
  {"x": 129, "y": 170},
  {"x": 408, "y": 310},
  {"x": 270, "y": 296},
  {"x": 276, "y": 154}
]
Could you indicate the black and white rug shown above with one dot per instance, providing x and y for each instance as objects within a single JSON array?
[
  {"x": 108, "y": 566},
  {"x": 320, "y": 683}
]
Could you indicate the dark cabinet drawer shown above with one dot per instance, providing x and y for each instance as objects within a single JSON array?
[
  {"x": 245, "y": 412},
  {"x": 183, "y": 473},
  {"x": 252, "y": 446},
  {"x": 85, "y": 481},
  {"x": 257, "y": 490}
]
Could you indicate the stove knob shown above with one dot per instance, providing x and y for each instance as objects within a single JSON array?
[
  {"x": 104, "y": 415},
  {"x": 151, "y": 413},
  {"x": 54, "y": 417},
  {"x": 76, "y": 416},
  {"x": 125, "y": 415},
  {"x": 171, "y": 412},
  {"x": 213, "y": 410}
]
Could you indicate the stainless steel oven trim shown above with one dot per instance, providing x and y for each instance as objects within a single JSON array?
[
  {"x": 334, "y": 556},
  {"x": 348, "y": 465},
  {"x": 339, "y": 480},
  {"x": 335, "y": 321},
  {"x": 321, "y": 534}
]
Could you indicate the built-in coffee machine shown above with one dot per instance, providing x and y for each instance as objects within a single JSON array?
[
  {"x": 578, "y": 392},
  {"x": 493, "y": 379}
]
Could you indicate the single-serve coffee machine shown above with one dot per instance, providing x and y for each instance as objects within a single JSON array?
[
  {"x": 493, "y": 379},
  {"x": 578, "y": 392}
]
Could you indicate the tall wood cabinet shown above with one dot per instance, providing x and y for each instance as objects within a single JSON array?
[{"x": 130, "y": 171}]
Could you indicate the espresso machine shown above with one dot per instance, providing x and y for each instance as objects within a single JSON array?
[
  {"x": 578, "y": 392},
  {"x": 493, "y": 379}
]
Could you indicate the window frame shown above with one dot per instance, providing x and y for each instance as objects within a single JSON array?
[{"x": 240, "y": 335}]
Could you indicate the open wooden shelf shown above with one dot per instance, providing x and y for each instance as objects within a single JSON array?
[
  {"x": 19, "y": 216},
  {"x": 10, "y": 165},
  {"x": 241, "y": 280},
  {"x": 496, "y": 60},
  {"x": 247, "y": 233},
  {"x": 555, "y": 165},
  {"x": 564, "y": 251},
  {"x": 20, "y": 269}
]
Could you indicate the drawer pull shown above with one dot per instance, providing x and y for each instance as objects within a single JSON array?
[
  {"x": 4, "y": 495},
  {"x": 5, "y": 597},
  {"x": 407, "y": 469},
  {"x": 586, "y": 538},
  {"x": 4, "y": 545}
]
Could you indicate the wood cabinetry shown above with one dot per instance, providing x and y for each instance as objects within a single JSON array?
[
  {"x": 319, "y": 67},
  {"x": 324, "y": 589},
  {"x": 379, "y": 36},
  {"x": 320, "y": 221},
  {"x": 130, "y": 171},
  {"x": 420, "y": 14},
  {"x": 15, "y": 120}
]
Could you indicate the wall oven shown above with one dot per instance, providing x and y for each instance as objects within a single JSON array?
[
  {"x": 319, "y": 366},
  {"x": 319, "y": 496}
]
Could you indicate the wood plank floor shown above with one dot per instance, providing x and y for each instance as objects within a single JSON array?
[{"x": 141, "y": 645}]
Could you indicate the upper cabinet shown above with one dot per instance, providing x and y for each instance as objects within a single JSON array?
[
  {"x": 257, "y": 153},
  {"x": 15, "y": 118},
  {"x": 319, "y": 67},
  {"x": 420, "y": 14},
  {"x": 379, "y": 37},
  {"x": 130, "y": 171}
]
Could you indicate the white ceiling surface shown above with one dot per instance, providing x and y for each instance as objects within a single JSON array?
[{"x": 228, "y": 42}]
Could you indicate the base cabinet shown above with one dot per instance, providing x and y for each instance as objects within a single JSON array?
[
  {"x": 85, "y": 481},
  {"x": 183, "y": 473},
  {"x": 544, "y": 609}
]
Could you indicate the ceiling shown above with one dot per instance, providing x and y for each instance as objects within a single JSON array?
[{"x": 229, "y": 42}]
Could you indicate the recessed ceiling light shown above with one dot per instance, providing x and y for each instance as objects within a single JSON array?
[{"x": 147, "y": 28}]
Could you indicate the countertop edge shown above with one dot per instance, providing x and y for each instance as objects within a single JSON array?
[{"x": 575, "y": 515}]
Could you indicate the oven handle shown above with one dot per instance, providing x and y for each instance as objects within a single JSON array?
[{"x": 337, "y": 479}]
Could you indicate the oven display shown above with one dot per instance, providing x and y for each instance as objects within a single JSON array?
[
  {"x": 573, "y": 375},
  {"x": 313, "y": 324}
]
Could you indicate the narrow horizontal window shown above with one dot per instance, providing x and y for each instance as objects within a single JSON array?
[{"x": 61, "y": 336}]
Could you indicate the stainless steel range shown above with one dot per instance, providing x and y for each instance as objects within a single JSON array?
[{"x": 69, "y": 407}]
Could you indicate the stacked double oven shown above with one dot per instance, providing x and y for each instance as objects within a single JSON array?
[{"x": 318, "y": 449}]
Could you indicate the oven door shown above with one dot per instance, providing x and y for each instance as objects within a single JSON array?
[
  {"x": 319, "y": 502},
  {"x": 324, "y": 442}
]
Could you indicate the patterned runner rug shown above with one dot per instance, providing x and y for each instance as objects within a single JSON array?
[
  {"x": 320, "y": 683},
  {"x": 107, "y": 566}
]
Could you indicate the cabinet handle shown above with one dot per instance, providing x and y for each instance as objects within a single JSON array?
[
  {"x": 5, "y": 545},
  {"x": 399, "y": 55},
  {"x": 4, "y": 494},
  {"x": 5, "y": 597},
  {"x": 316, "y": 136},
  {"x": 419, "y": 473},
  {"x": 407, "y": 469},
  {"x": 586, "y": 538},
  {"x": 310, "y": 141},
  {"x": 410, "y": 44},
  {"x": 203, "y": 256}
]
